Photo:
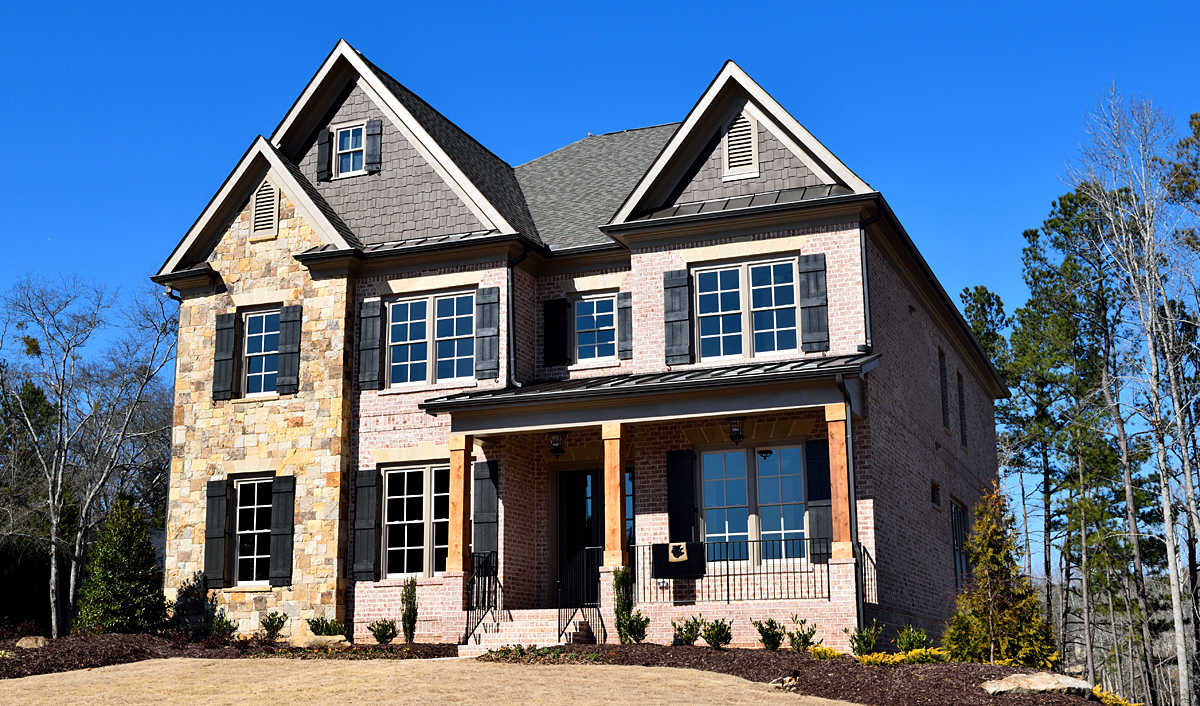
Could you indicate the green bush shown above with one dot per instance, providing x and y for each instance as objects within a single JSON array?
[
  {"x": 687, "y": 632},
  {"x": 909, "y": 638},
  {"x": 822, "y": 652},
  {"x": 122, "y": 585},
  {"x": 326, "y": 627},
  {"x": 633, "y": 627},
  {"x": 717, "y": 633},
  {"x": 863, "y": 640},
  {"x": 770, "y": 633},
  {"x": 272, "y": 624},
  {"x": 623, "y": 602},
  {"x": 193, "y": 610},
  {"x": 223, "y": 629},
  {"x": 408, "y": 612},
  {"x": 801, "y": 639},
  {"x": 384, "y": 631}
]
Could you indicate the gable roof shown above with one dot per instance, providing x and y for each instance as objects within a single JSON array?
[
  {"x": 731, "y": 92},
  {"x": 574, "y": 190},
  {"x": 260, "y": 159}
]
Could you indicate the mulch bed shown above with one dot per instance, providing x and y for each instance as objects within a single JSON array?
[
  {"x": 88, "y": 652},
  {"x": 844, "y": 678}
]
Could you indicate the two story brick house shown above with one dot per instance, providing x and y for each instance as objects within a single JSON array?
[{"x": 707, "y": 351}]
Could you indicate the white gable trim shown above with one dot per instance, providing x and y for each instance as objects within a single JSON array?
[
  {"x": 767, "y": 111},
  {"x": 421, "y": 141},
  {"x": 261, "y": 151}
]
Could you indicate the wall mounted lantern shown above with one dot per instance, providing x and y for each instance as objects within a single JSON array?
[
  {"x": 558, "y": 443},
  {"x": 736, "y": 435}
]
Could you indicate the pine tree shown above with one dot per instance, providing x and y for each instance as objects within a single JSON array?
[
  {"x": 122, "y": 591},
  {"x": 998, "y": 618}
]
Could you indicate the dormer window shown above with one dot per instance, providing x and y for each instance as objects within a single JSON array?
[
  {"x": 349, "y": 158},
  {"x": 741, "y": 149}
]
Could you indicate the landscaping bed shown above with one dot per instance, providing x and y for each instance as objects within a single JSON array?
[
  {"x": 89, "y": 652},
  {"x": 842, "y": 678}
]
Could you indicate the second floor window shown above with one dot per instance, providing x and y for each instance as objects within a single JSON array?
[
  {"x": 349, "y": 150},
  {"x": 728, "y": 328},
  {"x": 595, "y": 329},
  {"x": 414, "y": 356},
  {"x": 958, "y": 536},
  {"x": 262, "y": 352}
]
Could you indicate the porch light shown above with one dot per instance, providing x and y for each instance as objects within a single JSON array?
[
  {"x": 735, "y": 429},
  {"x": 558, "y": 443},
  {"x": 765, "y": 453}
]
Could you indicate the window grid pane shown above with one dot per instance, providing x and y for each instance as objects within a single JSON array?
[
  {"x": 773, "y": 303},
  {"x": 350, "y": 150},
  {"x": 408, "y": 337},
  {"x": 454, "y": 328},
  {"x": 726, "y": 511},
  {"x": 261, "y": 348},
  {"x": 404, "y": 521},
  {"x": 596, "y": 329},
  {"x": 440, "y": 515},
  {"x": 781, "y": 502},
  {"x": 719, "y": 306},
  {"x": 253, "y": 529}
]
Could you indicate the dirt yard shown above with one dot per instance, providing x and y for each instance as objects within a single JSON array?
[{"x": 287, "y": 682}]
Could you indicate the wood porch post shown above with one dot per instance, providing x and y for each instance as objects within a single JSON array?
[
  {"x": 839, "y": 480},
  {"x": 458, "y": 554},
  {"x": 615, "y": 553}
]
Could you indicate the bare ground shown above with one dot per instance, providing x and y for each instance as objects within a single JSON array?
[{"x": 287, "y": 682}]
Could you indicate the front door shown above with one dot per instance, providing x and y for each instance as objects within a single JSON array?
[{"x": 580, "y": 537}]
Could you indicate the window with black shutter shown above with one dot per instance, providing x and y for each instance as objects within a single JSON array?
[
  {"x": 485, "y": 519},
  {"x": 555, "y": 332},
  {"x": 367, "y": 525},
  {"x": 814, "y": 304},
  {"x": 291, "y": 319},
  {"x": 677, "y": 317},
  {"x": 625, "y": 325},
  {"x": 216, "y": 534},
  {"x": 681, "y": 496},
  {"x": 372, "y": 147},
  {"x": 283, "y": 526}
]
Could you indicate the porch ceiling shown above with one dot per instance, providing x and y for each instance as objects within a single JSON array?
[{"x": 756, "y": 387}]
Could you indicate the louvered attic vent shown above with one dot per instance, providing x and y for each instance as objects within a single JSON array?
[
  {"x": 266, "y": 210},
  {"x": 741, "y": 147}
]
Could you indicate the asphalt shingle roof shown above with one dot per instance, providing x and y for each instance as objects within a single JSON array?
[{"x": 326, "y": 210}]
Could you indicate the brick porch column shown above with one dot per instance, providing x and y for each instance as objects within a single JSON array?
[
  {"x": 839, "y": 480},
  {"x": 458, "y": 554},
  {"x": 615, "y": 553}
]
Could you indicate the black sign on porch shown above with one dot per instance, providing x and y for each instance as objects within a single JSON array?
[{"x": 678, "y": 560}]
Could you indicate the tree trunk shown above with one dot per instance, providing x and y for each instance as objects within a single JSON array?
[
  {"x": 1083, "y": 577},
  {"x": 1047, "y": 560},
  {"x": 54, "y": 607},
  {"x": 1181, "y": 655}
]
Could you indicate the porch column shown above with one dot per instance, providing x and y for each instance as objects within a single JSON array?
[
  {"x": 614, "y": 497},
  {"x": 458, "y": 555},
  {"x": 839, "y": 481}
]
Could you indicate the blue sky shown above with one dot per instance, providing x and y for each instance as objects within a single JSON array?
[{"x": 127, "y": 119}]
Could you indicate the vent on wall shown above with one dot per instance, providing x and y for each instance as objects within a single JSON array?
[
  {"x": 741, "y": 148},
  {"x": 264, "y": 215}
]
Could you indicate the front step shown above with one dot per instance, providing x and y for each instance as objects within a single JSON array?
[{"x": 525, "y": 627}]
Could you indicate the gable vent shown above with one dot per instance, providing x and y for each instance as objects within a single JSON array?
[
  {"x": 741, "y": 153},
  {"x": 266, "y": 209}
]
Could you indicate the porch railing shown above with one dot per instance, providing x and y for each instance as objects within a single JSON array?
[
  {"x": 579, "y": 591},
  {"x": 870, "y": 577},
  {"x": 482, "y": 589},
  {"x": 752, "y": 570}
]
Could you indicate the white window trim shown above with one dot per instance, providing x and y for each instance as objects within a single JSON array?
[
  {"x": 335, "y": 129},
  {"x": 237, "y": 554},
  {"x": 427, "y": 520},
  {"x": 747, "y": 310},
  {"x": 749, "y": 172},
  {"x": 431, "y": 340},
  {"x": 606, "y": 361},
  {"x": 245, "y": 357}
]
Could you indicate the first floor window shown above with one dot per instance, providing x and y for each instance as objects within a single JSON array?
[
  {"x": 958, "y": 529},
  {"x": 261, "y": 348},
  {"x": 630, "y": 538},
  {"x": 431, "y": 339},
  {"x": 595, "y": 329},
  {"x": 781, "y": 501},
  {"x": 754, "y": 495},
  {"x": 253, "y": 530},
  {"x": 416, "y": 520},
  {"x": 745, "y": 311}
]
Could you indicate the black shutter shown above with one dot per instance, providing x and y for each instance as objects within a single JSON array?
[
  {"x": 371, "y": 146},
  {"x": 224, "y": 358},
  {"x": 814, "y": 307},
  {"x": 487, "y": 333},
  {"x": 816, "y": 458},
  {"x": 216, "y": 535},
  {"x": 324, "y": 156},
  {"x": 681, "y": 497},
  {"x": 624, "y": 325},
  {"x": 555, "y": 332},
  {"x": 486, "y": 520},
  {"x": 677, "y": 317},
  {"x": 820, "y": 517},
  {"x": 287, "y": 382},
  {"x": 369, "y": 342},
  {"x": 283, "y": 526},
  {"x": 366, "y": 525}
]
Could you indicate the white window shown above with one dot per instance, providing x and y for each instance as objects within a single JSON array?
[
  {"x": 596, "y": 329},
  {"x": 958, "y": 539},
  {"x": 261, "y": 347},
  {"x": 740, "y": 145},
  {"x": 416, "y": 356},
  {"x": 253, "y": 531},
  {"x": 349, "y": 156},
  {"x": 754, "y": 496},
  {"x": 416, "y": 521},
  {"x": 730, "y": 329}
]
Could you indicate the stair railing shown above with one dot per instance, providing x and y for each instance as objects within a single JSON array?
[{"x": 483, "y": 591}]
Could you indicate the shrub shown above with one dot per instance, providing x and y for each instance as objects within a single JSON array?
[
  {"x": 801, "y": 639},
  {"x": 1110, "y": 699},
  {"x": 122, "y": 588},
  {"x": 5, "y": 654},
  {"x": 193, "y": 610},
  {"x": 272, "y": 624},
  {"x": 623, "y": 602},
  {"x": 634, "y": 626},
  {"x": 909, "y": 638},
  {"x": 717, "y": 633},
  {"x": 822, "y": 652},
  {"x": 688, "y": 631},
  {"x": 878, "y": 659},
  {"x": 326, "y": 627},
  {"x": 926, "y": 655},
  {"x": 408, "y": 612},
  {"x": 222, "y": 631},
  {"x": 384, "y": 631},
  {"x": 863, "y": 640},
  {"x": 770, "y": 633}
]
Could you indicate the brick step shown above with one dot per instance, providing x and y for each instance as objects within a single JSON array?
[{"x": 526, "y": 627}]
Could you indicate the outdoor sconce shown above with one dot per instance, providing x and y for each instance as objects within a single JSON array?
[
  {"x": 558, "y": 443},
  {"x": 735, "y": 429}
]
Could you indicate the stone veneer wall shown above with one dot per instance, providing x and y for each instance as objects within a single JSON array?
[{"x": 304, "y": 435}]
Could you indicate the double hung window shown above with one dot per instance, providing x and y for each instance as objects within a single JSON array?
[
  {"x": 261, "y": 347},
  {"x": 596, "y": 329},
  {"x": 253, "y": 530},
  {"x": 349, "y": 159},
  {"x": 754, "y": 496},
  {"x": 958, "y": 530},
  {"x": 416, "y": 356},
  {"x": 416, "y": 520},
  {"x": 747, "y": 310}
]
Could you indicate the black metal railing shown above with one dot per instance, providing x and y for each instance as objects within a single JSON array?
[
  {"x": 870, "y": 577},
  {"x": 750, "y": 570},
  {"x": 579, "y": 590},
  {"x": 482, "y": 589}
]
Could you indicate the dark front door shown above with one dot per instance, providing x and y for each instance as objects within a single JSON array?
[{"x": 580, "y": 537}]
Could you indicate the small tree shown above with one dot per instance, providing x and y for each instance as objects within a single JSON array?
[
  {"x": 408, "y": 614},
  {"x": 998, "y": 617},
  {"x": 122, "y": 591}
]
